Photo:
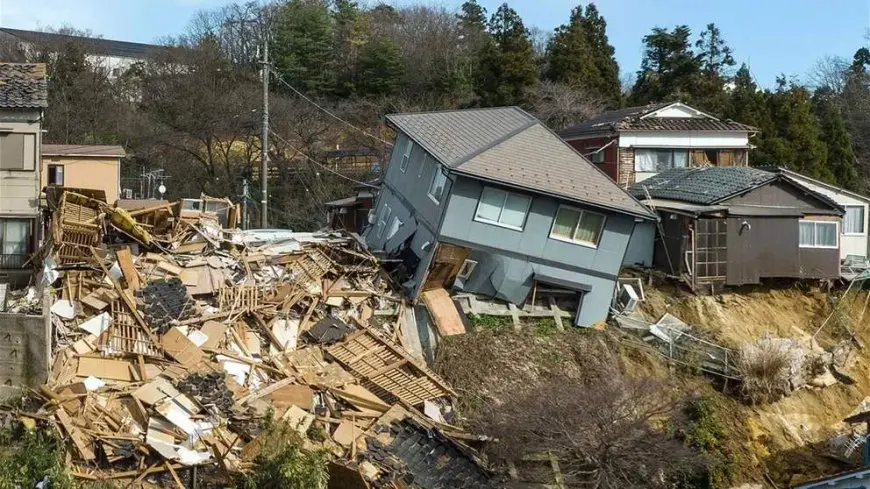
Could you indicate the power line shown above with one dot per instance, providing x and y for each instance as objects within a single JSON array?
[
  {"x": 321, "y": 165},
  {"x": 312, "y": 102}
]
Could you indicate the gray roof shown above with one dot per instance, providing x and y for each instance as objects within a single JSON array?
[
  {"x": 712, "y": 185},
  {"x": 83, "y": 150},
  {"x": 630, "y": 119},
  {"x": 23, "y": 86},
  {"x": 93, "y": 45},
  {"x": 507, "y": 145}
]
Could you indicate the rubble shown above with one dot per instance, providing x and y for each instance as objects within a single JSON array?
[{"x": 175, "y": 337}]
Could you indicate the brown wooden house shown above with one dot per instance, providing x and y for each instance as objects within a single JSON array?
[{"x": 736, "y": 226}]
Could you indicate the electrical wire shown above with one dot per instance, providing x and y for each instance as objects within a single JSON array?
[
  {"x": 321, "y": 165},
  {"x": 326, "y": 111}
]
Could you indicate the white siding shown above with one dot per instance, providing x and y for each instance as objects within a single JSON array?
[
  {"x": 850, "y": 244},
  {"x": 687, "y": 139}
]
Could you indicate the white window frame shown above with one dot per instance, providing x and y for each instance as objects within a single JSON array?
[
  {"x": 815, "y": 223},
  {"x": 382, "y": 223},
  {"x": 432, "y": 197},
  {"x": 863, "y": 219},
  {"x": 466, "y": 269},
  {"x": 422, "y": 165},
  {"x": 587, "y": 244},
  {"x": 406, "y": 156},
  {"x": 507, "y": 194},
  {"x": 673, "y": 158}
]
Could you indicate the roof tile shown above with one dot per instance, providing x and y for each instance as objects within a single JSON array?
[{"x": 23, "y": 86}]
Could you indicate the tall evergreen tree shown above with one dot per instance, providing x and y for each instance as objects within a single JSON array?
[
  {"x": 604, "y": 55},
  {"x": 669, "y": 69},
  {"x": 381, "y": 68},
  {"x": 580, "y": 55},
  {"x": 352, "y": 29},
  {"x": 840, "y": 157},
  {"x": 715, "y": 58},
  {"x": 472, "y": 18},
  {"x": 507, "y": 64},
  {"x": 303, "y": 45}
]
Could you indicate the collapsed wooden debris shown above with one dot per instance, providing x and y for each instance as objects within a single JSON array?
[{"x": 174, "y": 342}]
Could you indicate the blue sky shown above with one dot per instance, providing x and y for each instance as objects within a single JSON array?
[{"x": 772, "y": 36}]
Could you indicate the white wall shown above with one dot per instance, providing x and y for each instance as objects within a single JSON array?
[
  {"x": 674, "y": 111},
  {"x": 687, "y": 139},
  {"x": 850, "y": 244}
]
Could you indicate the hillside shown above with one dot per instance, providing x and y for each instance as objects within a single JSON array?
[{"x": 784, "y": 442}]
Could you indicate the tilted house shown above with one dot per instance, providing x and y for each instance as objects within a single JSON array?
[
  {"x": 634, "y": 143},
  {"x": 490, "y": 201},
  {"x": 736, "y": 226},
  {"x": 23, "y": 97}
]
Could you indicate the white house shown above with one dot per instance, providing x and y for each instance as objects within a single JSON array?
[
  {"x": 634, "y": 143},
  {"x": 115, "y": 57},
  {"x": 853, "y": 226}
]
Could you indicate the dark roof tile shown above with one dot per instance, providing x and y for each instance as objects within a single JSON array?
[
  {"x": 23, "y": 86},
  {"x": 93, "y": 45},
  {"x": 704, "y": 185}
]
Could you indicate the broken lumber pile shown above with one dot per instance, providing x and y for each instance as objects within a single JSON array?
[{"x": 170, "y": 355}]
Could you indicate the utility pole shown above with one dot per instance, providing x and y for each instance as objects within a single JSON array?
[
  {"x": 244, "y": 203},
  {"x": 264, "y": 158}
]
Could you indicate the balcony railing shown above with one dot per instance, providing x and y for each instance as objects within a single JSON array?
[{"x": 12, "y": 261}]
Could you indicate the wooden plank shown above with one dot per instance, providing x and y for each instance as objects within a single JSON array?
[
  {"x": 125, "y": 261},
  {"x": 556, "y": 316},
  {"x": 79, "y": 440},
  {"x": 515, "y": 317},
  {"x": 443, "y": 312}
]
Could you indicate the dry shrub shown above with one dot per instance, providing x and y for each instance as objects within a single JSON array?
[
  {"x": 607, "y": 433},
  {"x": 767, "y": 368}
]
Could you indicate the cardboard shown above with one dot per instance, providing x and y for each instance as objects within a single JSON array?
[
  {"x": 297, "y": 395},
  {"x": 215, "y": 332},
  {"x": 179, "y": 347},
  {"x": 105, "y": 368}
]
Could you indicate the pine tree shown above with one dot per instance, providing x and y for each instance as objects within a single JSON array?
[
  {"x": 303, "y": 46},
  {"x": 841, "y": 158},
  {"x": 507, "y": 64},
  {"x": 580, "y": 55},
  {"x": 669, "y": 69},
  {"x": 604, "y": 55},
  {"x": 352, "y": 30},
  {"x": 381, "y": 68},
  {"x": 472, "y": 19},
  {"x": 715, "y": 57}
]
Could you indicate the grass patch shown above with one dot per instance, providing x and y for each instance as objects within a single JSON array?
[
  {"x": 497, "y": 324},
  {"x": 707, "y": 431}
]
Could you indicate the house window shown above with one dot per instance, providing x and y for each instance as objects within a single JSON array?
[
  {"x": 577, "y": 226},
  {"x": 436, "y": 188},
  {"x": 656, "y": 160},
  {"x": 422, "y": 165},
  {"x": 383, "y": 218},
  {"x": 467, "y": 269},
  {"x": 502, "y": 208},
  {"x": 394, "y": 228},
  {"x": 406, "y": 156},
  {"x": 17, "y": 151},
  {"x": 15, "y": 239},
  {"x": 853, "y": 220},
  {"x": 596, "y": 155},
  {"x": 55, "y": 174},
  {"x": 818, "y": 234}
]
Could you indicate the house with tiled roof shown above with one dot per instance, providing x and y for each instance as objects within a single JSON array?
[
  {"x": 491, "y": 202},
  {"x": 634, "y": 143},
  {"x": 740, "y": 225},
  {"x": 83, "y": 166},
  {"x": 23, "y": 97}
]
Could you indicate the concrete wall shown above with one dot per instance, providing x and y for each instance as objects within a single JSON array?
[
  {"x": 25, "y": 352},
  {"x": 507, "y": 258},
  {"x": 98, "y": 173}
]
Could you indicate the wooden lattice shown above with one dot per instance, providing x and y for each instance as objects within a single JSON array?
[
  {"x": 126, "y": 336},
  {"x": 387, "y": 370}
]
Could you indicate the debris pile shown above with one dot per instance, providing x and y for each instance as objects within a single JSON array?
[{"x": 175, "y": 338}]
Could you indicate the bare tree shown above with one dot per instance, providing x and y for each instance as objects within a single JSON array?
[
  {"x": 560, "y": 105},
  {"x": 830, "y": 72},
  {"x": 606, "y": 434}
]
